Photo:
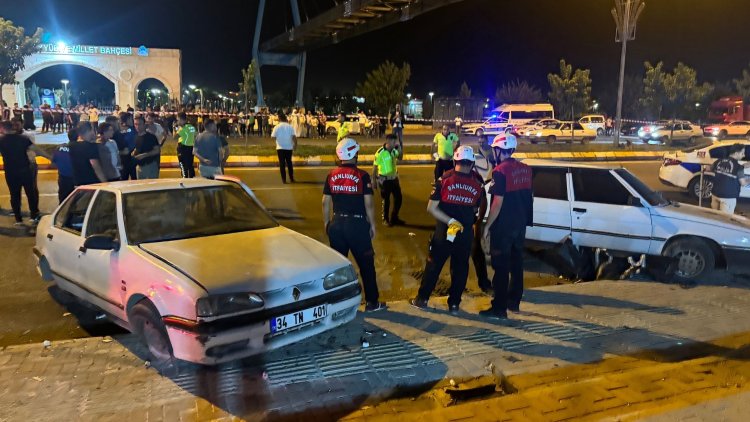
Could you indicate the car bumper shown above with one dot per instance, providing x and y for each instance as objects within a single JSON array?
[
  {"x": 737, "y": 259},
  {"x": 238, "y": 337}
]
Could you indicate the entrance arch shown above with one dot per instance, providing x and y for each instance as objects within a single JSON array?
[{"x": 124, "y": 66}]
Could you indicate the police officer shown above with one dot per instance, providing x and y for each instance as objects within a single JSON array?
[
  {"x": 386, "y": 178},
  {"x": 729, "y": 176},
  {"x": 185, "y": 132},
  {"x": 511, "y": 211},
  {"x": 453, "y": 202},
  {"x": 443, "y": 145},
  {"x": 348, "y": 190}
]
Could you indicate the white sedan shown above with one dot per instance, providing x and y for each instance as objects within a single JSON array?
[
  {"x": 564, "y": 131},
  {"x": 724, "y": 130},
  {"x": 671, "y": 132},
  {"x": 532, "y": 126},
  {"x": 197, "y": 268},
  {"x": 682, "y": 169}
]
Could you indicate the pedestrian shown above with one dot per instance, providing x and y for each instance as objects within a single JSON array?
[
  {"x": 109, "y": 154},
  {"x": 57, "y": 119},
  {"x": 729, "y": 177},
  {"x": 15, "y": 149},
  {"x": 385, "y": 173},
  {"x": 84, "y": 155},
  {"x": 397, "y": 121},
  {"x": 94, "y": 117},
  {"x": 127, "y": 131},
  {"x": 28, "y": 117},
  {"x": 146, "y": 152},
  {"x": 453, "y": 202},
  {"x": 46, "y": 118},
  {"x": 458, "y": 121},
  {"x": 511, "y": 211},
  {"x": 286, "y": 143},
  {"x": 609, "y": 125},
  {"x": 443, "y": 145},
  {"x": 185, "y": 132},
  {"x": 347, "y": 193},
  {"x": 154, "y": 127},
  {"x": 17, "y": 112},
  {"x": 209, "y": 151},
  {"x": 322, "y": 125},
  {"x": 62, "y": 162}
]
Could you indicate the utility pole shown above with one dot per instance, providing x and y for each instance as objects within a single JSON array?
[{"x": 626, "y": 14}]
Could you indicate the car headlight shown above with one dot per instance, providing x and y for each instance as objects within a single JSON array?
[
  {"x": 339, "y": 277},
  {"x": 539, "y": 134},
  {"x": 230, "y": 303}
]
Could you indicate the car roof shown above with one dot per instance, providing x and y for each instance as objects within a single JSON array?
[
  {"x": 726, "y": 143},
  {"x": 145, "y": 185},
  {"x": 536, "y": 162}
]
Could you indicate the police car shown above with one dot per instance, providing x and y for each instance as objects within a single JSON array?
[
  {"x": 682, "y": 169},
  {"x": 607, "y": 207},
  {"x": 196, "y": 268}
]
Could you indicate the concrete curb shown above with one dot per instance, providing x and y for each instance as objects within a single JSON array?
[{"x": 170, "y": 161}]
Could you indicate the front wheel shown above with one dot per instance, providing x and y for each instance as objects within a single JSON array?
[
  {"x": 695, "y": 189},
  {"x": 600, "y": 132},
  {"x": 723, "y": 134},
  {"x": 694, "y": 259},
  {"x": 551, "y": 139},
  {"x": 146, "y": 323},
  {"x": 479, "y": 133}
]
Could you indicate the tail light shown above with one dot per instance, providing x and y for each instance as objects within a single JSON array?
[{"x": 671, "y": 162}]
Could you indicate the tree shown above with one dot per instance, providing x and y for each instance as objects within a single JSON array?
[
  {"x": 654, "y": 90},
  {"x": 570, "y": 92},
  {"x": 15, "y": 46},
  {"x": 683, "y": 90},
  {"x": 247, "y": 86},
  {"x": 464, "y": 91},
  {"x": 742, "y": 85},
  {"x": 384, "y": 86},
  {"x": 518, "y": 92}
]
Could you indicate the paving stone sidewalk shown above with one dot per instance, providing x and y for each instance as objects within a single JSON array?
[{"x": 333, "y": 376}]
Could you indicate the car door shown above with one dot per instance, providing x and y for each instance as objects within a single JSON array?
[
  {"x": 99, "y": 269},
  {"x": 565, "y": 131},
  {"x": 606, "y": 215},
  {"x": 552, "y": 220},
  {"x": 65, "y": 237}
]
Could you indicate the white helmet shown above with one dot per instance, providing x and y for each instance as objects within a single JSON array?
[
  {"x": 347, "y": 149},
  {"x": 505, "y": 141},
  {"x": 464, "y": 152}
]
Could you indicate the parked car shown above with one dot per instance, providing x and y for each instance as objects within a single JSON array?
[
  {"x": 669, "y": 133},
  {"x": 493, "y": 125},
  {"x": 607, "y": 207},
  {"x": 563, "y": 131},
  {"x": 682, "y": 169},
  {"x": 197, "y": 268},
  {"x": 333, "y": 126},
  {"x": 724, "y": 130},
  {"x": 532, "y": 126},
  {"x": 595, "y": 122}
]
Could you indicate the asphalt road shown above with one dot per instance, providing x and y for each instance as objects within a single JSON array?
[{"x": 30, "y": 314}]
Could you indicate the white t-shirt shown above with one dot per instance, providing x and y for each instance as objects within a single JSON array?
[{"x": 284, "y": 134}]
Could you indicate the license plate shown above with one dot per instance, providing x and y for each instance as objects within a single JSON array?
[{"x": 298, "y": 318}]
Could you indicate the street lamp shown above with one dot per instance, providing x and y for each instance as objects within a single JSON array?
[
  {"x": 408, "y": 96},
  {"x": 194, "y": 88},
  {"x": 626, "y": 14},
  {"x": 65, "y": 83}
]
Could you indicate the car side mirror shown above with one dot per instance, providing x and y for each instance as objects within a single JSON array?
[
  {"x": 101, "y": 242},
  {"x": 634, "y": 202}
]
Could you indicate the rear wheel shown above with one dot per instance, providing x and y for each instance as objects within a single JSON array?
[
  {"x": 147, "y": 324},
  {"x": 692, "y": 140},
  {"x": 722, "y": 134},
  {"x": 696, "y": 190},
  {"x": 694, "y": 258},
  {"x": 600, "y": 132},
  {"x": 551, "y": 139}
]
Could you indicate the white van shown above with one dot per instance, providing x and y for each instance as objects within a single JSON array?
[
  {"x": 594, "y": 122},
  {"x": 508, "y": 116}
]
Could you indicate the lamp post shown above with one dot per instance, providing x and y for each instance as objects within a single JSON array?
[
  {"x": 65, "y": 83},
  {"x": 194, "y": 88},
  {"x": 626, "y": 14},
  {"x": 156, "y": 93}
]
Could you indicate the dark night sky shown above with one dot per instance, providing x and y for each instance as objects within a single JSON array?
[{"x": 485, "y": 42}]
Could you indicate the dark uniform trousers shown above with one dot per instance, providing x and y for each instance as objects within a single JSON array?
[
  {"x": 65, "y": 186},
  {"x": 128, "y": 168},
  {"x": 185, "y": 158},
  {"x": 391, "y": 187},
  {"x": 440, "y": 250},
  {"x": 16, "y": 181},
  {"x": 441, "y": 166},
  {"x": 353, "y": 234},
  {"x": 478, "y": 258},
  {"x": 506, "y": 253}
]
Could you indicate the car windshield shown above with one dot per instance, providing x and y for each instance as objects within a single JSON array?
[
  {"x": 653, "y": 198},
  {"x": 173, "y": 214}
]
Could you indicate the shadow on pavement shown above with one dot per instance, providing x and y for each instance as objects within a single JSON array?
[
  {"x": 89, "y": 319},
  {"x": 546, "y": 297},
  {"x": 322, "y": 378}
]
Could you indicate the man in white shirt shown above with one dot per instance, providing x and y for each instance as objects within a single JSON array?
[{"x": 286, "y": 143}]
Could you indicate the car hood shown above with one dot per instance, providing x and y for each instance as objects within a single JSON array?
[
  {"x": 258, "y": 261},
  {"x": 471, "y": 125},
  {"x": 706, "y": 216}
]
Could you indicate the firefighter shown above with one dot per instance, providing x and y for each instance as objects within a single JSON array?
[
  {"x": 348, "y": 193},
  {"x": 453, "y": 202},
  {"x": 511, "y": 211}
]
